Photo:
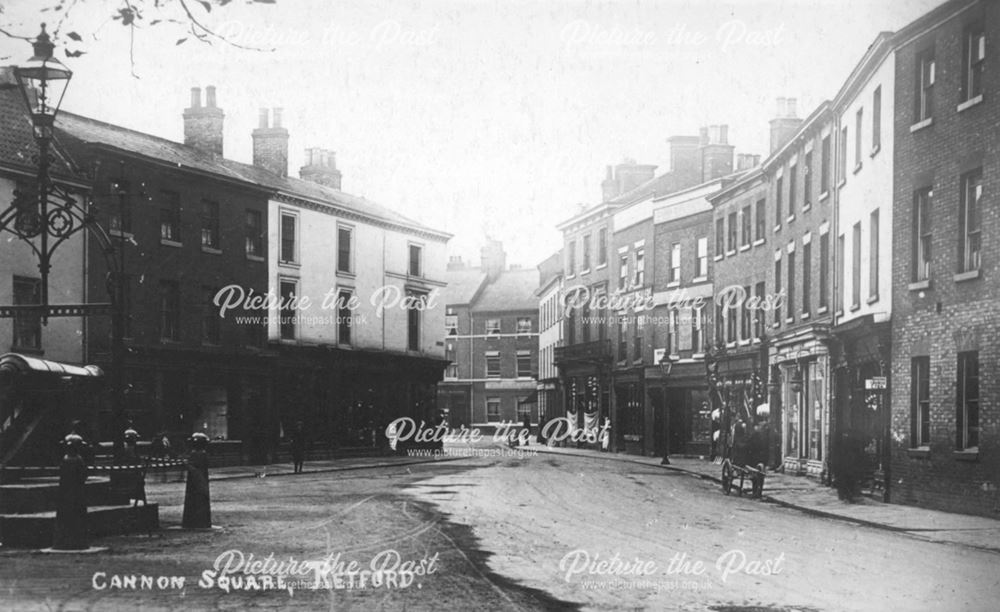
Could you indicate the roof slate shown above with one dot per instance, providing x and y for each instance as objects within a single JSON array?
[
  {"x": 183, "y": 156},
  {"x": 512, "y": 290},
  {"x": 463, "y": 285}
]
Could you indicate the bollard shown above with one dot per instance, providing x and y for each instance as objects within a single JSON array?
[
  {"x": 197, "y": 501},
  {"x": 71, "y": 511}
]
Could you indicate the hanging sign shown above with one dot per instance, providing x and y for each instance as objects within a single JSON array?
[{"x": 876, "y": 383}]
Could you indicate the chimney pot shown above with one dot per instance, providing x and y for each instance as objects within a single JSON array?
[
  {"x": 262, "y": 124},
  {"x": 276, "y": 117},
  {"x": 723, "y": 134},
  {"x": 791, "y": 107},
  {"x": 203, "y": 124},
  {"x": 780, "y": 108}
]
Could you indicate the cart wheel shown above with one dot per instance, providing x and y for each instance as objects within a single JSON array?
[{"x": 727, "y": 477}]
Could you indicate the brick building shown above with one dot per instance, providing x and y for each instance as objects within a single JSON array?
[
  {"x": 945, "y": 418},
  {"x": 491, "y": 339},
  {"x": 742, "y": 272},
  {"x": 189, "y": 225},
  {"x": 683, "y": 298},
  {"x": 799, "y": 186},
  {"x": 194, "y": 223}
]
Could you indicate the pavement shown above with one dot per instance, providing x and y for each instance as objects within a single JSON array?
[
  {"x": 809, "y": 495},
  {"x": 801, "y": 493}
]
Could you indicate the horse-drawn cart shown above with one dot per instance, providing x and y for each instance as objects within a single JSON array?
[{"x": 744, "y": 474}]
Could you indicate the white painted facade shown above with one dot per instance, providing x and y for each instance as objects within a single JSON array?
[
  {"x": 62, "y": 339},
  {"x": 379, "y": 278},
  {"x": 867, "y": 187},
  {"x": 550, "y": 315}
]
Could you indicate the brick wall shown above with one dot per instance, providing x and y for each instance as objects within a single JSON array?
[{"x": 950, "y": 315}]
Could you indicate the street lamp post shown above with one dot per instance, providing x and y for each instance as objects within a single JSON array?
[
  {"x": 51, "y": 216},
  {"x": 42, "y": 80},
  {"x": 666, "y": 364}
]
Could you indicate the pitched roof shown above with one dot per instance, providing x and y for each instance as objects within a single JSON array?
[
  {"x": 512, "y": 290},
  {"x": 184, "y": 156},
  {"x": 18, "y": 148},
  {"x": 463, "y": 285}
]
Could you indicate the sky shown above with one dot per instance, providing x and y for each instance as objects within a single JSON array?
[{"x": 483, "y": 119}]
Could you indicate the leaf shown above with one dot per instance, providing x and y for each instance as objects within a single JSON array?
[
  {"x": 74, "y": 53},
  {"x": 74, "y": 36},
  {"x": 208, "y": 7},
  {"x": 180, "y": 41},
  {"x": 154, "y": 22}
]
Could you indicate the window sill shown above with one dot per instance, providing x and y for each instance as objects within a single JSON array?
[
  {"x": 696, "y": 356},
  {"x": 920, "y": 452},
  {"x": 777, "y": 228},
  {"x": 775, "y": 325},
  {"x": 919, "y": 285},
  {"x": 758, "y": 242},
  {"x": 673, "y": 284},
  {"x": 821, "y": 310},
  {"x": 857, "y": 168},
  {"x": 717, "y": 258},
  {"x": 823, "y": 196},
  {"x": 211, "y": 250},
  {"x": 806, "y": 207},
  {"x": 569, "y": 276},
  {"x": 875, "y": 151},
  {"x": 731, "y": 344},
  {"x": 842, "y": 182},
  {"x": 636, "y": 362},
  {"x": 872, "y": 299},
  {"x": 969, "y": 454},
  {"x": 123, "y": 235},
  {"x": 969, "y": 103},
  {"x": 744, "y": 342},
  {"x": 804, "y": 316},
  {"x": 171, "y": 243},
  {"x": 601, "y": 267},
  {"x": 346, "y": 274},
  {"x": 839, "y": 313},
  {"x": 584, "y": 271},
  {"x": 745, "y": 247},
  {"x": 965, "y": 276},
  {"x": 730, "y": 253},
  {"x": 699, "y": 279},
  {"x": 916, "y": 127},
  {"x": 789, "y": 320},
  {"x": 289, "y": 264},
  {"x": 855, "y": 307},
  {"x": 257, "y": 258},
  {"x": 790, "y": 219}
]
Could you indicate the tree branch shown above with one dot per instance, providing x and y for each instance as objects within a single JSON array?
[{"x": 208, "y": 31}]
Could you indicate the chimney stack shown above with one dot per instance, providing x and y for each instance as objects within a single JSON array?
[
  {"x": 715, "y": 152},
  {"x": 270, "y": 144},
  {"x": 203, "y": 124},
  {"x": 321, "y": 168},
  {"x": 684, "y": 161},
  {"x": 746, "y": 161},
  {"x": 494, "y": 258},
  {"x": 609, "y": 188},
  {"x": 785, "y": 123}
]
